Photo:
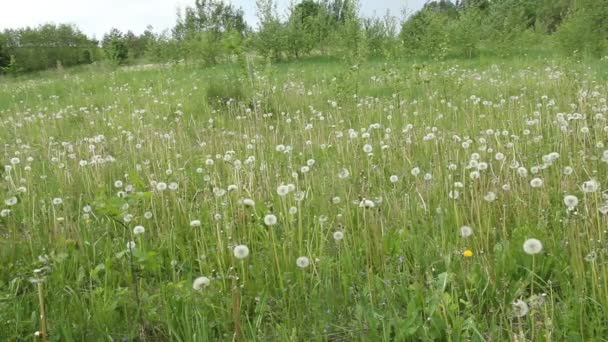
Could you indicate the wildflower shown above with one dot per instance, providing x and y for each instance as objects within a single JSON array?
[
  {"x": 10, "y": 201},
  {"x": 270, "y": 220},
  {"x": 195, "y": 223},
  {"x": 570, "y": 201},
  {"x": 293, "y": 210},
  {"x": 591, "y": 186},
  {"x": 532, "y": 246},
  {"x": 303, "y": 262},
  {"x": 130, "y": 245},
  {"x": 522, "y": 171},
  {"x": 200, "y": 282},
  {"x": 415, "y": 171},
  {"x": 467, "y": 253},
  {"x": 365, "y": 203},
  {"x": 338, "y": 235},
  {"x": 536, "y": 182},
  {"x": 138, "y": 230},
  {"x": 591, "y": 257},
  {"x": 394, "y": 179},
  {"x": 344, "y": 173},
  {"x": 118, "y": 184},
  {"x": 520, "y": 308},
  {"x": 57, "y": 201},
  {"x": 148, "y": 215},
  {"x": 173, "y": 186},
  {"x": 367, "y": 148},
  {"x": 490, "y": 197},
  {"x": 466, "y": 231},
  {"x": 282, "y": 190},
  {"x": 248, "y": 202},
  {"x": 241, "y": 251},
  {"x": 160, "y": 186}
]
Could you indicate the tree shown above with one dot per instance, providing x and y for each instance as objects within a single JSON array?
[{"x": 115, "y": 47}]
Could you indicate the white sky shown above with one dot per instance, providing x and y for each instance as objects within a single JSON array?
[{"x": 95, "y": 17}]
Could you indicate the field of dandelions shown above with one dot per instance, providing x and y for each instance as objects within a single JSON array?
[{"x": 306, "y": 201}]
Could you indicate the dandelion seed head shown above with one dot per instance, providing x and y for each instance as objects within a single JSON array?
[
  {"x": 241, "y": 252},
  {"x": 532, "y": 246},
  {"x": 200, "y": 283}
]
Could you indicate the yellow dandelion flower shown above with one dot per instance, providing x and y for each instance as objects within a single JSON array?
[{"x": 467, "y": 253}]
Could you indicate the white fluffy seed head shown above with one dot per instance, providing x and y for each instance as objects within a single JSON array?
[
  {"x": 241, "y": 252},
  {"x": 139, "y": 230},
  {"x": 338, "y": 235},
  {"x": 200, "y": 282},
  {"x": 570, "y": 201},
  {"x": 591, "y": 186},
  {"x": 536, "y": 182},
  {"x": 270, "y": 220},
  {"x": 466, "y": 231},
  {"x": 533, "y": 246},
  {"x": 303, "y": 262},
  {"x": 520, "y": 308}
]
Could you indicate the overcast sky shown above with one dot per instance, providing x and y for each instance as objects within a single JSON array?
[{"x": 95, "y": 17}]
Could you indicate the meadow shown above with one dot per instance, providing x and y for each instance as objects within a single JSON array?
[{"x": 315, "y": 200}]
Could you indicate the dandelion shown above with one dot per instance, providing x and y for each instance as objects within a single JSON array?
[
  {"x": 241, "y": 252},
  {"x": 270, "y": 220},
  {"x": 131, "y": 245},
  {"x": 415, "y": 171},
  {"x": 393, "y": 179},
  {"x": 536, "y": 182},
  {"x": 570, "y": 201},
  {"x": 532, "y": 246},
  {"x": 591, "y": 257},
  {"x": 467, "y": 253},
  {"x": 200, "y": 282},
  {"x": 195, "y": 223},
  {"x": 302, "y": 262},
  {"x": 490, "y": 197},
  {"x": 520, "y": 308},
  {"x": 118, "y": 184},
  {"x": 590, "y": 186},
  {"x": 338, "y": 235},
  {"x": 466, "y": 231},
  {"x": 161, "y": 186},
  {"x": 248, "y": 202},
  {"x": 148, "y": 215},
  {"x": 5, "y": 212},
  {"x": 11, "y": 201},
  {"x": 282, "y": 190},
  {"x": 344, "y": 173},
  {"x": 57, "y": 201},
  {"x": 15, "y": 161},
  {"x": 293, "y": 210},
  {"x": 367, "y": 148},
  {"x": 365, "y": 203},
  {"x": 138, "y": 230},
  {"x": 522, "y": 171},
  {"x": 173, "y": 186}
]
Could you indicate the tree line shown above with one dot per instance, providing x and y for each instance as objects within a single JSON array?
[{"x": 215, "y": 31}]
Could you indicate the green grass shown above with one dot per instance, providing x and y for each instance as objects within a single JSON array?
[{"x": 398, "y": 274}]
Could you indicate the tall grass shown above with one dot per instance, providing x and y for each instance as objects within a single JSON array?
[{"x": 370, "y": 171}]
